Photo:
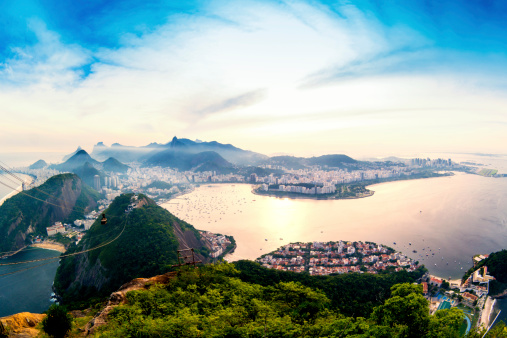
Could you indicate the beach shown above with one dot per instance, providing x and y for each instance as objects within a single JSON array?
[{"x": 50, "y": 246}]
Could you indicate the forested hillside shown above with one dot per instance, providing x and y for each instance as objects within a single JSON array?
[
  {"x": 139, "y": 243},
  {"x": 214, "y": 301}
]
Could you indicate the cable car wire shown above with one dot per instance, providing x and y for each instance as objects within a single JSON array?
[
  {"x": 74, "y": 253},
  {"x": 32, "y": 267},
  {"x": 36, "y": 188}
]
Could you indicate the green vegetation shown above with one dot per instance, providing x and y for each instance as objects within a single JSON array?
[
  {"x": 159, "y": 185},
  {"x": 212, "y": 301},
  {"x": 147, "y": 247},
  {"x": 22, "y": 215},
  {"x": 62, "y": 239},
  {"x": 488, "y": 172},
  {"x": 57, "y": 321},
  {"x": 352, "y": 294}
]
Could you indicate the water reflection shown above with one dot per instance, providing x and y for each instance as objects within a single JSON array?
[{"x": 446, "y": 220}]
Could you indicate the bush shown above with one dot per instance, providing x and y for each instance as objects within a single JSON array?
[{"x": 57, "y": 322}]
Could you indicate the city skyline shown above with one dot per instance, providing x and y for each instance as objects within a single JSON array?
[{"x": 298, "y": 77}]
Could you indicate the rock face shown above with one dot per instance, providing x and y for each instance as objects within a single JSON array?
[
  {"x": 61, "y": 198},
  {"x": 22, "y": 324},
  {"x": 119, "y": 297}
]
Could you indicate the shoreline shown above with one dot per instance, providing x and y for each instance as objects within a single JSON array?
[
  {"x": 50, "y": 246},
  {"x": 334, "y": 197}
]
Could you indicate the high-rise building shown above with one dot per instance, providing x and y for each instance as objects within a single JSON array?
[{"x": 96, "y": 182}]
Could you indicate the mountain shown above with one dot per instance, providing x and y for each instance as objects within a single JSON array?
[
  {"x": 87, "y": 173},
  {"x": 123, "y": 153},
  {"x": 66, "y": 157},
  {"x": 291, "y": 162},
  {"x": 112, "y": 164},
  {"x": 177, "y": 158},
  {"x": 77, "y": 160},
  {"x": 143, "y": 242},
  {"x": 61, "y": 198},
  {"x": 38, "y": 165},
  {"x": 330, "y": 160},
  {"x": 228, "y": 151},
  {"x": 129, "y": 154}
]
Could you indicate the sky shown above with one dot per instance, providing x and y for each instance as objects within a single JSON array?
[{"x": 363, "y": 78}]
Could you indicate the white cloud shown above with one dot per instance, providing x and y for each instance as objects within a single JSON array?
[
  {"x": 244, "y": 74},
  {"x": 47, "y": 62}
]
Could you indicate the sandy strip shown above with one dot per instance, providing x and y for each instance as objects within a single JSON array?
[
  {"x": 50, "y": 246},
  {"x": 486, "y": 313}
]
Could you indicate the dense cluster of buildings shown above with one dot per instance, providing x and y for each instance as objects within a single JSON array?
[
  {"x": 216, "y": 243},
  {"x": 320, "y": 258}
]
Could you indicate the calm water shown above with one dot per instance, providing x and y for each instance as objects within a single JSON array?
[
  {"x": 27, "y": 290},
  {"x": 449, "y": 219}
]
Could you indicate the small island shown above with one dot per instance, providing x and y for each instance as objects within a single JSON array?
[{"x": 325, "y": 258}]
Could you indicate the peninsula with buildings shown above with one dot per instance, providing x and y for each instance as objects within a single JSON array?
[{"x": 326, "y": 258}]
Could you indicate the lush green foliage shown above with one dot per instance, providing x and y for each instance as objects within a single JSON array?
[
  {"x": 57, "y": 321},
  {"x": 351, "y": 294},
  {"x": 147, "y": 247},
  {"x": 159, "y": 185},
  {"x": 212, "y": 302}
]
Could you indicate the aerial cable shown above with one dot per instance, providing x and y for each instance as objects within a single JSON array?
[
  {"x": 4, "y": 175},
  {"x": 12, "y": 174},
  {"x": 32, "y": 267},
  {"x": 37, "y": 248},
  {"x": 71, "y": 254},
  {"x": 44, "y": 201}
]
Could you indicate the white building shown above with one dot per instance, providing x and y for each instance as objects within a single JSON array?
[{"x": 54, "y": 229}]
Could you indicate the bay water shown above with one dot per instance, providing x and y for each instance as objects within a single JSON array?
[{"x": 27, "y": 287}]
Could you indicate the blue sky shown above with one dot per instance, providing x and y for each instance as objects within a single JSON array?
[{"x": 300, "y": 77}]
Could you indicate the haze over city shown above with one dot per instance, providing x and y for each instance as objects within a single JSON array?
[{"x": 297, "y": 77}]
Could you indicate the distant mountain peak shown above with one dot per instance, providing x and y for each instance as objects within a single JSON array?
[{"x": 100, "y": 144}]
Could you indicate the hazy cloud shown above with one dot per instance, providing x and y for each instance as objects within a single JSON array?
[{"x": 240, "y": 101}]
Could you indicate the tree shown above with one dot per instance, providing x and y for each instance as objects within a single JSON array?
[
  {"x": 406, "y": 307},
  {"x": 57, "y": 321},
  {"x": 446, "y": 323}
]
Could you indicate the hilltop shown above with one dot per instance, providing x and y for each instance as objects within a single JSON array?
[
  {"x": 148, "y": 244},
  {"x": 61, "y": 198}
]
